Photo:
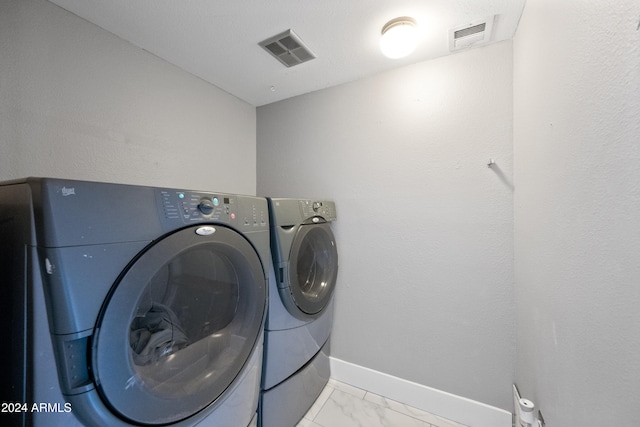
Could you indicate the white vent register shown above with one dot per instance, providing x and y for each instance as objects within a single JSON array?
[
  {"x": 287, "y": 48},
  {"x": 475, "y": 33}
]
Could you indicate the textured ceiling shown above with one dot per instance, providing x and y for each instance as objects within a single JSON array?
[{"x": 218, "y": 40}]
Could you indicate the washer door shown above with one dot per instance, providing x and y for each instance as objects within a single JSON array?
[
  {"x": 313, "y": 268},
  {"x": 179, "y": 325}
]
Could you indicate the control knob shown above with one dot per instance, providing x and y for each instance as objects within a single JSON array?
[
  {"x": 316, "y": 206},
  {"x": 205, "y": 206}
]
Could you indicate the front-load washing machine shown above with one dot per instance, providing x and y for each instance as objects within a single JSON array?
[
  {"x": 128, "y": 305},
  {"x": 301, "y": 286}
]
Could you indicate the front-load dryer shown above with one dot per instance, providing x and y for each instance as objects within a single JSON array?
[
  {"x": 301, "y": 287},
  {"x": 128, "y": 305}
]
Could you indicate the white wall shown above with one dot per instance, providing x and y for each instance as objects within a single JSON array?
[
  {"x": 425, "y": 228},
  {"x": 577, "y": 210},
  {"x": 78, "y": 102}
]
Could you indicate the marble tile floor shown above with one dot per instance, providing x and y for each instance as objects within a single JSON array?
[{"x": 342, "y": 405}]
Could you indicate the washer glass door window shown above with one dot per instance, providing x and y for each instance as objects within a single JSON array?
[
  {"x": 313, "y": 267},
  {"x": 179, "y": 326}
]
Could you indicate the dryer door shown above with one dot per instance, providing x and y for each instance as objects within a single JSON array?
[
  {"x": 179, "y": 325},
  {"x": 313, "y": 267}
]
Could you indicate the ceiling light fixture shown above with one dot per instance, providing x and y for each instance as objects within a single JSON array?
[{"x": 399, "y": 37}]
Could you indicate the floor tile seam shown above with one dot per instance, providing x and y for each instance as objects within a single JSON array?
[
  {"x": 397, "y": 412},
  {"x": 315, "y": 417},
  {"x": 313, "y": 420},
  {"x": 346, "y": 387},
  {"x": 362, "y": 398}
]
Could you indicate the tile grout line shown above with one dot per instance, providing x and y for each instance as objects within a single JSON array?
[
  {"x": 313, "y": 420},
  {"x": 322, "y": 407},
  {"x": 362, "y": 395},
  {"x": 397, "y": 412}
]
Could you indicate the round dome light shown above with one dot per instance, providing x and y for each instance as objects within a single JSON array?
[{"x": 399, "y": 37}]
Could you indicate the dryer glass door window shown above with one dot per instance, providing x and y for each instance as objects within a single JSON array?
[
  {"x": 313, "y": 267},
  {"x": 179, "y": 326}
]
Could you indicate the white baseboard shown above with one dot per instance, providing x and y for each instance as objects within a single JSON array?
[{"x": 447, "y": 405}]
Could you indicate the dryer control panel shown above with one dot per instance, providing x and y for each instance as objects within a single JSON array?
[{"x": 324, "y": 208}]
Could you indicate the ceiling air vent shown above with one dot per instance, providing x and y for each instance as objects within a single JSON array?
[
  {"x": 287, "y": 48},
  {"x": 478, "y": 32}
]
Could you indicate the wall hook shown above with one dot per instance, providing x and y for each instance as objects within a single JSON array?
[{"x": 491, "y": 163}]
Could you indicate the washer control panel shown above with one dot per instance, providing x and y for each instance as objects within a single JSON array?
[
  {"x": 247, "y": 213},
  {"x": 190, "y": 206}
]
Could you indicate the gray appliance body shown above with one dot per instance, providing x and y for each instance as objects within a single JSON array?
[
  {"x": 131, "y": 305},
  {"x": 301, "y": 287}
]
